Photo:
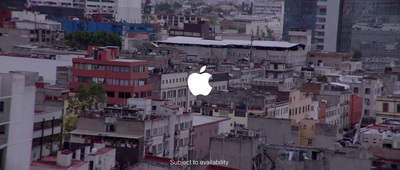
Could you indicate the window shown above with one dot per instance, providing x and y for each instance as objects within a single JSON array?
[
  {"x": 367, "y": 102},
  {"x": 110, "y": 128},
  {"x": 276, "y": 66},
  {"x": 1, "y": 106},
  {"x": 124, "y": 69},
  {"x": 155, "y": 132},
  {"x": 322, "y": 11},
  {"x": 319, "y": 40},
  {"x": 154, "y": 108},
  {"x": 159, "y": 148},
  {"x": 312, "y": 108},
  {"x": 367, "y": 91},
  {"x": 309, "y": 142},
  {"x": 366, "y": 112},
  {"x": 385, "y": 107},
  {"x": 275, "y": 75},
  {"x": 110, "y": 94},
  {"x": 320, "y": 34},
  {"x": 304, "y": 126},
  {"x": 355, "y": 90},
  {"x": 240, "y": 114},
  {"x": 398, "y": 108},
  {"x": 148, "y": 133},
  {"x": 124, "y": 95},
  {"x": 322, "y": 20}
]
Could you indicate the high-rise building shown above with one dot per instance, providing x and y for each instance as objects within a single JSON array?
[
  {"x": 369, "y": 28},
  {"x": 299, "y": 15},
  {"x": 17, "y": 103},
  {"x": 326, "y": 26}
]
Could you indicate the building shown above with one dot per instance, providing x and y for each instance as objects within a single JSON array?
[
  {"x": 146, "y": 127},
  {"x": 219, "y": 81},
  {"x": 281, "y": 72},
  {"x": 374, "y": 12},
  {"x": 172, "y": 86},
  {"x": 269, "y": 8},
  {"x": 176, "y": 21},
  {"x": 122, "y": 78},
  {"x": 160, "y": 163},
  {"x": 200, "y": 29},
  {"x": 238, "y": 105},
  {"x": 234, "y": 50},
  {"x": 299, "y": 15},
  {"x": 356, "y": 105},
  {"x": 368, "y": 88},
  {"x": 307, "y": 131},
  {"x": 236, "y": 151},
  {"x": 282, "y": 110},
  {"x": 387, "y": 107},
  {"x": 17, "y": 89},
  {"x": 63, "y": 76},
  {"x": 92, "y": 157},
  {"x": 204, "y": 128},
  {"x": 380, "y": 135},
  {"x": 116, "y": 27},
  {"x": 301, "y": 36},
  {"x": 335, "y": 60},
  {"x": 276, "y": 131},
  {"x": 47, "y": 69},
  {"x": 299, "y": 105},
  {"x": 122, "y": 10},
  {"x": 327, "y": 25},
  {"x": 62, "y": 160},
  {"x": 309, "y": 157},
  {"x": 268, "y": 30},
  {"x": 30, "y": 28}
]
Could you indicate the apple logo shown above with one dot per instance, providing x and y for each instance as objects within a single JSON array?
[{"x": 198, "y": 83}]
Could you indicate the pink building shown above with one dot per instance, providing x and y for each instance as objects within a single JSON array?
[{"x": 204, "y": 128}]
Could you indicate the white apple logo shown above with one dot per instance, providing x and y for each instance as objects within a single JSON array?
[{"x": 198, "y": 83}]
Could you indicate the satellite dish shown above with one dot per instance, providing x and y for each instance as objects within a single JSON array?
[{"x": 94, "y": 151}]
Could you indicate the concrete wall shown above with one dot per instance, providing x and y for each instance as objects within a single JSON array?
[
  {"x": 21, "y": 90},
  {"x": 325, "y": 135},
  {"x": 13, "y": 37},
  {"x": 202, "y": 136},
  {"x": 277, "y": 131},
  {"x": 46, "y": 68},
  {"x": 239, "y": 152}
]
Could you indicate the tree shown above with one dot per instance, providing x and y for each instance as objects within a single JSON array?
[
  {"x": 82, "y": 39},
  {"x": 322, "y": 78},
  {"x": 93, "y": 97}
]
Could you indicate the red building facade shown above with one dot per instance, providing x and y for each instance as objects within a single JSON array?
[
  {"x": 122, "y": 78},
  {"x": 356, "y": 106}
]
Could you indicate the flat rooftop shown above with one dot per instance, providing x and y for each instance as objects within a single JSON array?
[
  {"x": 201, "y": 120},
  {"x": 104, "y": 134},
  {"x": 201, "y": 41}
]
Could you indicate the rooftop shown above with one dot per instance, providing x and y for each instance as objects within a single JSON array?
[
  {"x": 105, "y": 134},
  {"x": 50, "y": 162},
  {"x": 200, "y": 41},
  {"x": 201, "y": 120}
]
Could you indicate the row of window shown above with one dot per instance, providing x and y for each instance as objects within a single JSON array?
[
  {"x": 174, "y": 80},
  {"x": 110, "y": 68},
  {"x": 173, "y": 93},
  {"x": 299, "y": 110},
  {"x": 125, "y": 95},
  {"x": 115, "y": 82},
  {"x": 385, "y": 107}
]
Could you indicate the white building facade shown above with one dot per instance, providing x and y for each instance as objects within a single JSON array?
[{"x": 17, "y": 103}]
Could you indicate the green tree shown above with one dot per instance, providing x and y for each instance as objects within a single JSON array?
[
  {"x": 82, "y": 39},
  {"x": 322, "y": 78}
]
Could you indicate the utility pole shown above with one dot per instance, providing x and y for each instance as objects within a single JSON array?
[{"x": 251, "y": 50}]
